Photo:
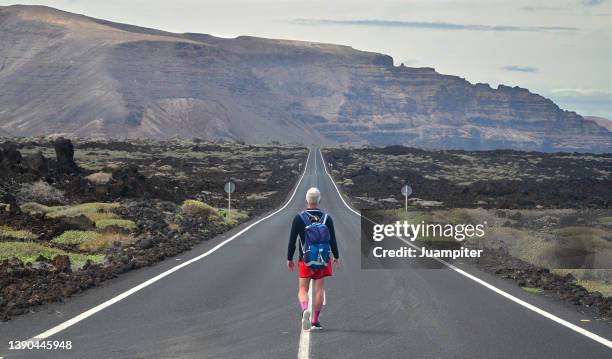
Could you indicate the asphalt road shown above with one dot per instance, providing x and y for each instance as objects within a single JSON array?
[{"x": 240, "y": 302}]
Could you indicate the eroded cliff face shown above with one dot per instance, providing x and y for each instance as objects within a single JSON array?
[{"x": 63, "y": 73}]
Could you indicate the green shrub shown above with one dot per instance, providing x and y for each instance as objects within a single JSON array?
[
  {"x": 192, "y": 207},
  {"x": 533, "y": 290},
  {"x": 235, "y": 216},
  {"x": 98, "y": 216},
  {"x": 33, "y": 207},
  {"x": 73, "y": 238},
  {"x": 83, "y": 208},
  {"x": 105, "y": 240},
  {"x": 88, "y": 209},
  {"x": 8, "y": 232},
  {"x": 114, "y": 222},
  {"x": 29, "y": 251},
  {"x": 91, "y": 241}
]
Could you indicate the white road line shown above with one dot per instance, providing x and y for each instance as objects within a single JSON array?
[
  {"x": 304, "y": 347},
  {"x": 507, "y": 295},
  {"x": 304, "y": 344},
  {"x": 135, "y": 289},
  {"x": 334, "y": 183}
]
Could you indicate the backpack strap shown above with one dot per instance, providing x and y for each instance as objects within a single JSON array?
[
  {"x": 324, "y": 218},
  {"x": 305, "y": 216}
]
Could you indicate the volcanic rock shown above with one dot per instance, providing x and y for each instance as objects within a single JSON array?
[
  {"x": 37, "y": 163},
  {"x": 62, "y": 263},
  {"x": 64, "y": 152},
  {"x": 10, "y": 159}
]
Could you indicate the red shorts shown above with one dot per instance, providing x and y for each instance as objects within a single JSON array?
[{"x": 306, "y": 272}]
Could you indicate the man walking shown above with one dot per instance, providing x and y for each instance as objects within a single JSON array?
[{"x": 317, "y": 237}]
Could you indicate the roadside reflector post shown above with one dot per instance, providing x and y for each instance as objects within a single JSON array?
[
  {"x": 406, "y": 191},
  {"x": 229, "y": 188}
]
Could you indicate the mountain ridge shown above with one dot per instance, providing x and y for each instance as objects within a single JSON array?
[{"x": 75, "y": 75}]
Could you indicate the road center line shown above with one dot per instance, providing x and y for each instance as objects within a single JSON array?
[
  {"x": 487, "y": 285},
  {"x": 304, "y": 347},
  {"x": 70, "y": 322}
]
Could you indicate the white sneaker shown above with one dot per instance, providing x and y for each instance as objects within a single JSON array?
[
  {"x": 306, "y": 319},
  {"x": 316, "y": 326}
]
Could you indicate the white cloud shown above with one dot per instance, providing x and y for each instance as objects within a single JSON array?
[
  {"x": 431, "y": 25},
  {"x": 527, "y": 69}
]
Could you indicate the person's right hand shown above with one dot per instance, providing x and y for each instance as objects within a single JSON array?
[{"x": 290, "y": 265}]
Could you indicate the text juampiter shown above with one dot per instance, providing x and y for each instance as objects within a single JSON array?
[{"x": 426, "y": 234}]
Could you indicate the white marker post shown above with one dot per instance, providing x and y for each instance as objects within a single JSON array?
[
  {"x": 406, "y": 191},
  {"x": 229, "y": 188}
]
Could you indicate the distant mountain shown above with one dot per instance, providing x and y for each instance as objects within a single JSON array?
[
  {"x": 601, "y": 121},
  {"x": 62, "y": 73}
]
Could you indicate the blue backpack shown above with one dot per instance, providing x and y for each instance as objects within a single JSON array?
[{"x": 316, "y": 242}]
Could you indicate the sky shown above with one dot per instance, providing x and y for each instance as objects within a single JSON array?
[{"x": 559, "y": 49}]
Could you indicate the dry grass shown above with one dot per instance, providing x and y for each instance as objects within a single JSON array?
[
  {"x": 193, "y": 207},
  {"x": 39, "y": 191},
  {"x": 34, "y": 208},
  {"x": 90, "y": 241},
  {"x": 125, "y": 224},
  {"x": 235, "y": 216},
  {"x": 94, "y": 210},
  {"x": 260, "y": 196},
  {"x": 73, "y": 238},
  {"x": 99, "y": 178},
  {"x": 29, "y": 251},
  {"x": 99, "y": 216},
  {"x": 583, "y": 237},
  {"x": 9, "y": 232},
  {"x": 105, "y": 240},
  {"x": 594, "y": 286}
]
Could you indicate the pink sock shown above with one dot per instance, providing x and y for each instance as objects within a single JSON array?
[
  {"x": 315, "y": 316},
  {"x": 304, "y": 305}
]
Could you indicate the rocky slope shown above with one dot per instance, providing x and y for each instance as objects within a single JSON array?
[
  {"x": 601, "y": 121},
  {"x": 68, "y": 74}
]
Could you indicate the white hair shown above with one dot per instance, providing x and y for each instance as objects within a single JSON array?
[{"x": 313, "y": 196}]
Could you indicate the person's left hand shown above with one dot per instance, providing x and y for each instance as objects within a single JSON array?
[{"x": 337, "y": 262}]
